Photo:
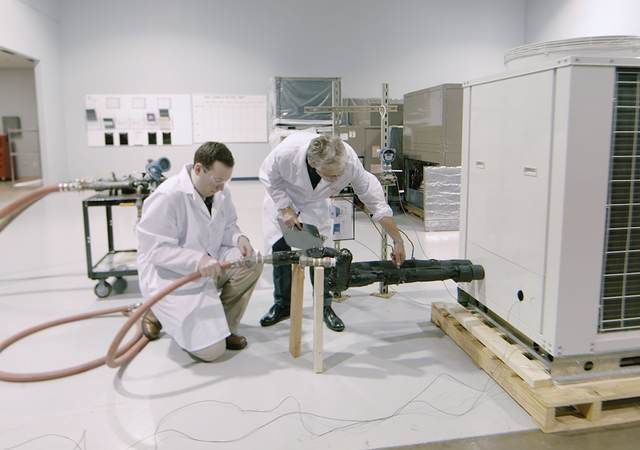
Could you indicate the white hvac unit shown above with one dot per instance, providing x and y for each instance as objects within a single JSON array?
[{"x": 550, "y": 202}]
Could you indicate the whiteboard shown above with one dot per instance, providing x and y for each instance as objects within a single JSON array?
[{"x": 229, "y": 118}]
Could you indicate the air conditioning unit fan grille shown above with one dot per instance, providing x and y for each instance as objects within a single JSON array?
[{"x": 620, "y": 293}]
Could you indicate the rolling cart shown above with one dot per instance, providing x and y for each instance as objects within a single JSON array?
[{"x": 116, "y": 263}]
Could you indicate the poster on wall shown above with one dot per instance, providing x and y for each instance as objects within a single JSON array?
[
  {"x": 138, "y": 120},
  {"x": 229, "y": 118},
  {"x": 343, "y": 216}
]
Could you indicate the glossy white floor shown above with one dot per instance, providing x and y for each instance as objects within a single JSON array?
[{"x": 392, "y": 378}]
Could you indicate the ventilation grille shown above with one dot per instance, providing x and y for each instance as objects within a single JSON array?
[
  {"x": 590, "y": 45},
  {"x": 620, "y": 295}
]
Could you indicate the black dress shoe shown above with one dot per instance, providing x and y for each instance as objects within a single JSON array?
[
  {"x": 276, "y": 314},
  {"x": 333, "y": 322}
]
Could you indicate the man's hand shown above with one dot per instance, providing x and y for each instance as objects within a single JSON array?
[
  {"x": 209, "y": 267},
  {"x": 290, "y": 218},
  {"x": 391, "y": 228},
  {"x": 398, "y": 253},
  {"x": 245, "y": 246}
]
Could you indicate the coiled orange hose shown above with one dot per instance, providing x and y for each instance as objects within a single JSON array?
[
  {"x": 115, "y": 356},
  {"x": 53, "y": 374}
]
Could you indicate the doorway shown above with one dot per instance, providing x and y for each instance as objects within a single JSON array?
[{"x": 20, "y": 156}]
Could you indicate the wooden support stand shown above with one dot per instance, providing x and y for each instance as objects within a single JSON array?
[
  {"x": 318, "y": 325},
  {"x": 554, "y": 407},
  {"x": 297, "y": 294}
]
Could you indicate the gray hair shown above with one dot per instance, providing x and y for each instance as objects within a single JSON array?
[{"x": 326, "y": 151}]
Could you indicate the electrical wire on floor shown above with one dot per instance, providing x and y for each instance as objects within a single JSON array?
[
  {"x": 42, "y": 277},
  {"x": 302, "y": 414},
  {"x": 77, "y": 446},
  {"x": 352, "y": 423},
  {"x": 29, "y": 272}
]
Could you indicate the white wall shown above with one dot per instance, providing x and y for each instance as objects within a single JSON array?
[
  {"x": 549, "y": 20},
  {"x": 33, "y": 32},
  {"x": 228, "y": 47},
  {"x": 18, "y": 98}
]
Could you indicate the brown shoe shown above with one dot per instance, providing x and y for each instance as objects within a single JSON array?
[
  {"x": 235, "y": 342},
  {"x": 150, "y": 325}
]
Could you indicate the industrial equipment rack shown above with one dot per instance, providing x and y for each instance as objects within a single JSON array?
[{"x": 115, "y": 263}]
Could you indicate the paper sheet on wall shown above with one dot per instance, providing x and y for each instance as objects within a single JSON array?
[
  {"x": 138, "y": 120},
  {"x": 342, "y": 214},
  {"x": 229, "y": 118}
]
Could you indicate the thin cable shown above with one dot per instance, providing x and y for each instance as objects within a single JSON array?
[
  {"x": 455, "y": 299},
  {"x": 366, "y": 246},
  {"x": 375, "y": 226},
  {"x": 61, "y": 436},
  {"x": 301, "y": 414},
  {"x": 399, "y": 294},
  {"x": 413, "y": 229},
  {"x": 413, "y": 247},
  {"x": 41, "y": 277},
  {"x": 351, "y": 422}
]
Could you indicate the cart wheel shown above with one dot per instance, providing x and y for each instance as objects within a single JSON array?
[
  {"x": 102, "y": 289},
  {"x": 120, "y": 285}
]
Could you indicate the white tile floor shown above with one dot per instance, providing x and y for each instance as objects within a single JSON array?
[{"x": 392, "y": 378}]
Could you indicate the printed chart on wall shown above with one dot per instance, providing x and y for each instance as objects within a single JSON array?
[
  {"x": 138, "y": 120},
  {"x": 229, "y": 118},
  {"x": 343, "y": 216}
]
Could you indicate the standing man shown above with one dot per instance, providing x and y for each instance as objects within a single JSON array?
[
  {"x": 189, "y": 223},
  {"x": 300, "y": 175}
]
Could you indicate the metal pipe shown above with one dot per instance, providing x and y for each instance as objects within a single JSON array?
[{"x": 286, "y": 258}]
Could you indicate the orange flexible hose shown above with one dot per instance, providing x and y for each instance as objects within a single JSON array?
[
  {"x": 27, "y": 200},
  {"x": 53, "y": 374},
  {"x": 115, "y": 356}
]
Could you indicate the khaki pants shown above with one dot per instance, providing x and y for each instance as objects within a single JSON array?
[{"x": 236, "y": 286}]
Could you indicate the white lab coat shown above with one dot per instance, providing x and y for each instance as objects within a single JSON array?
[
  {"x": 286, "y": 179},
  {"x": 175, "y": 232}
]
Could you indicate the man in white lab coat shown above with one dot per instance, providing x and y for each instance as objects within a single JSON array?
[
  {"x": 300, "y": 175},
  {"x": 189, "y": 224}
]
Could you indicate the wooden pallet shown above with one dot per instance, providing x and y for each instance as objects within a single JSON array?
[
  {"x": 554, "y": 407},
  {"x": 417, "y": 212}
]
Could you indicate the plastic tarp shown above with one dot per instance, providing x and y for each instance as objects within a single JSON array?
[
  {"x": 441, "y": 198},
  {"x": 290, "y": 95}
]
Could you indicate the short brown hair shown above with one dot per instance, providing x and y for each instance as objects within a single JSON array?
[{"x": 210, "y": 152}]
